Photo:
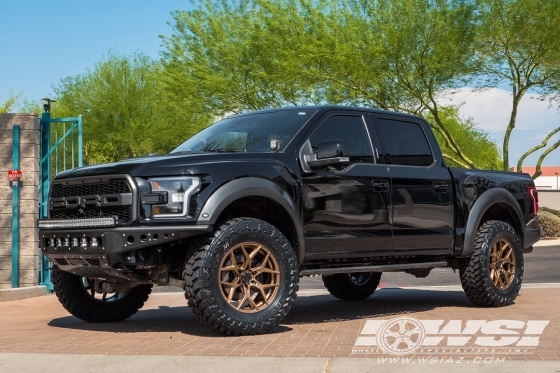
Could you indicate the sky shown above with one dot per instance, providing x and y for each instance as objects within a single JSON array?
[{"x": 44, "y": 41}]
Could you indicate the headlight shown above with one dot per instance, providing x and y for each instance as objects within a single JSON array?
[{"x": 178, "y": 190}]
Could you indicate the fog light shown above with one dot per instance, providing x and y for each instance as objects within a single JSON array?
[
  {"x": 58, "y": 242},
  {"x": 74, "y": 241},
  {"x": 66, "y": 242},
  {"x": 94, "y": 242},
  {"x": 83, "y": 242},
  {"x": 50, "y": 242}
]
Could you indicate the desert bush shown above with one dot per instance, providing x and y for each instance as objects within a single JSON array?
[
  {"x": 552, "y": 211},
  {"x": 550, "y": 223}
]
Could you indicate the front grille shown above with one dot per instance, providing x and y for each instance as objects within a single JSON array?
[
  {"x": 124, "y": 213},
  {"x": 110, "y": 187},
  {"x": 100, "y": 197},
  {"x": 62, "y": 261}
]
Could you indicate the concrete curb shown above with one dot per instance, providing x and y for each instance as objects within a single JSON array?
[
  {"x": 7, "y": 295},
  {"x": 544, "y": 243}
]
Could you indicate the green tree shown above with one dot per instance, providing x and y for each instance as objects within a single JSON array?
[
  {"x": 476, "y": 143},
  {"x": 30, "y": 106},
  {"x": 220, "y": 52},
  {"x": 518, "y": 44},
  {"x": 123, "y": 110},
  {"x": 394, "y": 55},
  {"x": 10, "y": 103}
]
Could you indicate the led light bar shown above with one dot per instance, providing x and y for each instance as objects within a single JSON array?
[{"x": 75, "y": 223}]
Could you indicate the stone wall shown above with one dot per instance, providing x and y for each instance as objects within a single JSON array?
[{"x": 29, "y": 199}]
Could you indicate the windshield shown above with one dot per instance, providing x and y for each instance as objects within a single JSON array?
[{"x": 259, "y": 132}]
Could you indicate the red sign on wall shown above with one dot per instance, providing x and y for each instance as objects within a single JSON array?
[{"x": 14, "y": 175}]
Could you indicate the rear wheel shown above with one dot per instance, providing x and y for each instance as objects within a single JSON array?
[
  {"x": 243, "y": 279},
  {"x": 493, "y": 274},
  {"x": 352, "y": 286},
  {"x": 84, "y": 298}
]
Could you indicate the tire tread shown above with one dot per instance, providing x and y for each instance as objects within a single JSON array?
[{"x": 197, "y": 282}]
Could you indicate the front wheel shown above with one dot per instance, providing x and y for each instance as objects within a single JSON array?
[
  {"x": 492, "y": 276},
  {"x": 84, "y": 298},
  {"x": 352, "y": 286},
  {"x": 243, "y": 279}
]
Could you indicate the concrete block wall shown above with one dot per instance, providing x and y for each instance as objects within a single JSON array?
[
  {"x": 549, "y": 198},
  {"x": 29, "y": 199}
]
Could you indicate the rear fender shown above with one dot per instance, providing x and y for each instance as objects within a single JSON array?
[{"x": 482, "y": 204}]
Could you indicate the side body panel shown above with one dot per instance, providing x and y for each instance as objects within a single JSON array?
[
  {"x": 421, "y": 195},
  {"x": 344, "y": 216},
  {"x": 477, "y": 191}
]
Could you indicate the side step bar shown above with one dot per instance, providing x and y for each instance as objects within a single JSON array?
[{"x": 379, "y": 268}]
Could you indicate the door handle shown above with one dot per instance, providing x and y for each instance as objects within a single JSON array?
[
  {"x": 380, "y": 185},
  {"x": 441, "y": 187}
]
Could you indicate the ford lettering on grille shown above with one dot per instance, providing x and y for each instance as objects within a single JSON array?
[{"x": 92, "y": 199}]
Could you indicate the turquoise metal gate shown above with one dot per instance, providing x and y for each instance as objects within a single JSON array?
[{"x": 61, "y": 148}]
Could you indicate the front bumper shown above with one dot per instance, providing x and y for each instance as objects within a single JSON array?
[{"x": 110, "y": 242}]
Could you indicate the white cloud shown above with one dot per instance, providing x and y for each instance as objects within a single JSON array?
[{"x": 491, "y": 110}]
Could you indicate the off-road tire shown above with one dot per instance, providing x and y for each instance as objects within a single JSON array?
[
  {"x": 72, "y": 295},
  {"x": 475, "y": 271},
  {"x": 202, "y": 287},
  {"x": 342, "y": 287}
]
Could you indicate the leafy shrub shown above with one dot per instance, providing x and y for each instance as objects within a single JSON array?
[
  {"x": 550, "y": 223},
  {"x": 552, "y": 211}
]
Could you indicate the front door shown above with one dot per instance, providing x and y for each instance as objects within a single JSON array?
[{"x": 346, "y": 211}]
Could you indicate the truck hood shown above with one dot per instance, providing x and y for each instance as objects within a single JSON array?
[{"x": 162, "y": 165}]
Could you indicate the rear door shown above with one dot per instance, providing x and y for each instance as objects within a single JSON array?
[{"x": 421, "y": 213}]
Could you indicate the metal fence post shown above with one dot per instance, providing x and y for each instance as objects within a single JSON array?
[
  {"x": 80, "y": 142},
  {"x": 15, "y": 207},
  {"x": 45, "y": 275}
]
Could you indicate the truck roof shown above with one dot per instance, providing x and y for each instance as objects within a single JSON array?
[{"x": 330, "y": 107}]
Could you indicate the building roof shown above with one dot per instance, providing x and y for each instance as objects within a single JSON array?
[{"x": 546, "y": 170}]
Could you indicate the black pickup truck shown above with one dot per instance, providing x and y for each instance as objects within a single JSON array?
[{"x": 238, "y": 212}]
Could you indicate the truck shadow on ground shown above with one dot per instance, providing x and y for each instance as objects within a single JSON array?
[{"x": 307, "y": 310}]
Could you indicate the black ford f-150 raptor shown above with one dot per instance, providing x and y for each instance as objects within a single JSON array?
[{"x": 238, "y": 212}]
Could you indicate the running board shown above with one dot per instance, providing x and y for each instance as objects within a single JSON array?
[{"x": 378, "y": 268}]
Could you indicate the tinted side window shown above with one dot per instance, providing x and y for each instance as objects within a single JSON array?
[
  {"x": 407, "y": 144},
  {"x": 351, "y": 130}
]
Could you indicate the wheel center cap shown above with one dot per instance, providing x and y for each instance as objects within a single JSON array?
[
  {"x": 246, "y": 277},
  {"x": 498, "y": 265}
]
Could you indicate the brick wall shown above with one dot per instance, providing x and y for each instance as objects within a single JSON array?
[{"x": 29, "y": 199}]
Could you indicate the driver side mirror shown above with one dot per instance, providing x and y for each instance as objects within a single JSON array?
[{"x": 329, "y": 153}]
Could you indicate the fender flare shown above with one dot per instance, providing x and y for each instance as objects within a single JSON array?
[
  {"x": 251, "y": 187},
  {"x": 482, "y": 204}
]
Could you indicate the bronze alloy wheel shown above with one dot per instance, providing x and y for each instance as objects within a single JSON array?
[
  {"x": 249, "y": 277},
  {"x": 492, "y": 275},
  {"x": 502, "y": 264}
]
